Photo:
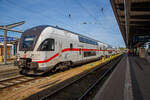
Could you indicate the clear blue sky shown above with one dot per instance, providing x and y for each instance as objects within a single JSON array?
[{"x": 93, "y": 18}]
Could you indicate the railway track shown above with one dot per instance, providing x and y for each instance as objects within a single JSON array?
[
  {"x": 79, "y": 88},
  {"x": 9, "y": 73},
  {"x": 88, "y": 94},
  {"x": 19, "y": 79}
]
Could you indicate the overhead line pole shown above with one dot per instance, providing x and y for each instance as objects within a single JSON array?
[
  {"x": 19, "y": 31},
  {"x": 5, "y": 46},
  {"x": 7, "y": 28}
]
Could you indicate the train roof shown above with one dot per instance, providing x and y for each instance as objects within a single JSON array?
[{"x": 42, "y": 27}]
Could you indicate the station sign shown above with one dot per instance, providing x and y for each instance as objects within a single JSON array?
[{"x": 9, "y": 39}]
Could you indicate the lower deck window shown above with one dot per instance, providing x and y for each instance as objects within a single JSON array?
[
  {"x": 109, "y": 52},
  {"x": 89, "y": 53}
]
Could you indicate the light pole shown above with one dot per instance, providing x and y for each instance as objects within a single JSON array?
[
  {"x": 8, "y": 28},
  {"x": 5, "y": 46}
]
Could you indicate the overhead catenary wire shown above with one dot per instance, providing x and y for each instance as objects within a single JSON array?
[
  {"x": 81, "y": 23},
  {"x": 36, "y": 12},
  {"x": 91, "y": 15},
  {"x": 87, "y": 11},
  {"x": 54, "y": 19},
  {"x": 9, "y": 17},
  {"x": 32, "y": 11}
]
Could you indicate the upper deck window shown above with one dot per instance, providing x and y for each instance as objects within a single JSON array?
[
  {"x": 88, "y": 41},
  {"x": 47, "y": 45}
]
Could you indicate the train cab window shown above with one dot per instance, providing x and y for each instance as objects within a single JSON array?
[
  {"x": 71, "y": 46},
  {"x": 47, "y": 45}
]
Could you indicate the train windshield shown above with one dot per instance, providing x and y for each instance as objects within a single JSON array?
[{"x": 28, "y": 42}]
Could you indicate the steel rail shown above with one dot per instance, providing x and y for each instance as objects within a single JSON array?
[
  {"x": 99, "y": 80},
  {"x": 17, "y": 78},
  {"x": 4, "y": 80},
  {"x": 8, "y": 72},
  {"x": 65, "y": 86}
]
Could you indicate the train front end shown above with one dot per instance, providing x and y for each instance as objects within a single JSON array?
[{"x": 26, "y": 53}]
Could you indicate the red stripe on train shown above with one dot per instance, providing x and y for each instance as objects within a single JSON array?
[{"x": 68, "y": 49}]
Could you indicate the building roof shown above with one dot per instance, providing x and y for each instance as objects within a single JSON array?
[{"x": 133, "y": 17}]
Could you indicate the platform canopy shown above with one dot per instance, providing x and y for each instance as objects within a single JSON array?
[{"x": 133, "y": 17}]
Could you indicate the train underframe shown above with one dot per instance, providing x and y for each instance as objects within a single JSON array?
[{"x": 27, "y": 67}]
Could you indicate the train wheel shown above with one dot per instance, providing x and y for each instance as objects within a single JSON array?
[
  {"x": 23, "y": 72},
  {"x": 64, "y": 66},
  {"x": 53, "y": 70},
  {"x": 69, "y": 64}
]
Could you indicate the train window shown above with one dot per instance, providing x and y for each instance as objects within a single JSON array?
[
  {"x": 71, "y": 46},
  {"x": 148, "y": 52},
  {"x": 80, "y": 51},
  {"x": 89, "y": 53},
  {"x": 87, "y": 40},
  {"x": 47, "y": 45}
]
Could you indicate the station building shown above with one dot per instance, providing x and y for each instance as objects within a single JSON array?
[
  {"x": 133, "y": 17},
  {"x": 11, "y": 48}
]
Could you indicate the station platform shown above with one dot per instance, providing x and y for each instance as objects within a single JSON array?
[
  {"x": 130, "y": 80},
  {"x": 7, "y": 67}
]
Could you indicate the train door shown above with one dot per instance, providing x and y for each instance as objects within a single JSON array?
[
  {"x": 60, "y": 48},
  {"x": 49, "y": 47},
  {"x": 97, "y": 52},
  {"x": 81, "y": 55},
  {"x": 103, "y": 51}
]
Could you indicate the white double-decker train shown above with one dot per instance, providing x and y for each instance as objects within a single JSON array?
[{"x": 47, "y": 48}]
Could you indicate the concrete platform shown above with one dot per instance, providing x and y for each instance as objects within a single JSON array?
[
  {"x": 140, "y": 76},
  {"x": 129, "y": 81},
  {"x": 7, "y": 67}
]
